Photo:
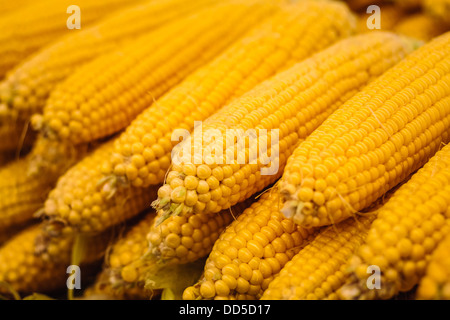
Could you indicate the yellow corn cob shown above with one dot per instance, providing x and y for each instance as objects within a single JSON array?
[
  {"x": 319, "y": 268},
  {"x": 124, "y": 251},
  {"x": 20, "y": 268},
  {"x": 436, "y": 282},
  {"x": 184, "y": 239},
  {"x": 406, "y": 232},
  {"x": 390, "y": 15},
  {"x": 26, "y": 272},
  {"x": 438, "y": 8},
  {"x": 79, "y": 204},
  {"x": 250, "y": 252},
  {"x": 24, "y": 188},
  {"x": 373, "y": 142},
  {"x": 26, "y": 30},
  {"x": 28, "y": 86},
  {"x": 88, "y": 106},
  {"x": 142, "y": 153},
  {"x": 294, "y": 103},
  {"x": 421, "y": 26}
]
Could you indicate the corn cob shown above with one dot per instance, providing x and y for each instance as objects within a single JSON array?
[
  {"x": 27, "y": 87},
  {"x": 28, "y": 29},
  {"x": 390, "y": 15},
  {"x": 319, "y": 268},
  {"x": 24, "y": 188},
  {"x": 406, "y": 232},
  {"x": 436, "y": 282},
  {"x": 249, "y": 253},
  {"x": 294, "y": 103},
  {"x": 438, "y": 8},
  {"x": 79, "y": 204},
  {"x": 124, "y": 251},
  {"x": 142, "y": 153},
  {"x": 77, "y": 112},
  {"x": 373, "y": 142},
  {"x": 184, "y": 239},
  {"x": 421, "y": 26},
  {"x": 26, "y": 272}
]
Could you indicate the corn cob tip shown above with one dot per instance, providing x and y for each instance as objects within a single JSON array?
[
  {"x": 53, "y": 227},
  {"x": 166, "y": 209},
  {"x": 297, "y": 211}
]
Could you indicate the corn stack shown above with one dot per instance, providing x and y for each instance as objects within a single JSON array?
[
  {"x": 142, "y": 154},
  {"x": 26, "y": 88},
  {"x": 87, "y": 106},
  {"x": 373, "y": 142},
  {"x": 293, "y": 103},
  {"x": 318, "y": 270},
  {"x": 26, "y": 30},
  {"x": 405, "y": 234},
  {"x": 249, "y": 253},
  {"x": 436, "y": 282}
]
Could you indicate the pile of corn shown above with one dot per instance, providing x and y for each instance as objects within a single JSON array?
[{"x": 225, "y": 149}]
